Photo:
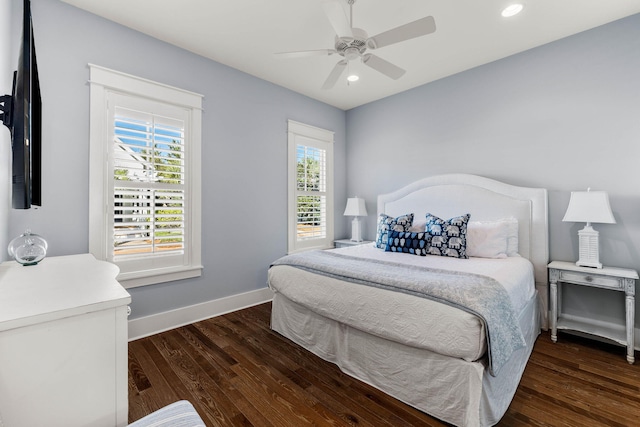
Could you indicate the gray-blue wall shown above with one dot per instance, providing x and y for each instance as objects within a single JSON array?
[
  {"x": 244, "y": 155},
  {"x": 6, "y": 77},
  {"x": 564, "y": 116}
]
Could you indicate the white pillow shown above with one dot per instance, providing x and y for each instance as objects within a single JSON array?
[
  {"x": 512, "y": 237},
  {"x": 418, "y": 227},
  {"x": 492, "y": 239}
]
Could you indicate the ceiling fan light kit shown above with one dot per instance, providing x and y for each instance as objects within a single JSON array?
[{"x": 354, "y": 43}]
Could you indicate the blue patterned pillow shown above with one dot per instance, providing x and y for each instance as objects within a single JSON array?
[
  {"x": 387, "y": 223},
  {"x": 448, "y": 237},
  {"x": 416, "y": 243}
]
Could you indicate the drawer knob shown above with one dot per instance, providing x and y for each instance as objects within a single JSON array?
[{"x": 589, "y": 279}]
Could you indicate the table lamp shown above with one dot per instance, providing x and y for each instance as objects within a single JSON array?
[
  {"x": 589, "y": 206},
  {"x": 355, "y": 208}
]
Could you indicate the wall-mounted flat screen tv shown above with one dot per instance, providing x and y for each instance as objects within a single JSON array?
[{"x": 21, "y": 113}]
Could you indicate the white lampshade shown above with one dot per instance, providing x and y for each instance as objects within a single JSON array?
[
  {"x": 355, "y": 207},
  {"x": 589, "y": 206}
]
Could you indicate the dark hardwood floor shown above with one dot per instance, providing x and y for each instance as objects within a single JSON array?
[{"x": 237, "y": 372}]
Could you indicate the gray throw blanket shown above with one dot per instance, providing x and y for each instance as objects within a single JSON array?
[{"x": 480, "y": 295}]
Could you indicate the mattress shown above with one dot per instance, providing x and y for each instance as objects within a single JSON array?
[{"x": 402, "y": 318}]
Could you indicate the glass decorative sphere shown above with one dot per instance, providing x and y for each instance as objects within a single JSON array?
[{"x": 28, "y": 248}]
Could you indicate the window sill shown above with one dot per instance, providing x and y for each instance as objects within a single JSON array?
[{"x": 145, "y": 278}]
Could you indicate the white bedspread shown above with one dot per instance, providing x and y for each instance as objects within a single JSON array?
[{"x": 403, "y": 318}]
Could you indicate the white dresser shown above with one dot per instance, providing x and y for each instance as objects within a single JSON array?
[{"x": 63, "y": 344}]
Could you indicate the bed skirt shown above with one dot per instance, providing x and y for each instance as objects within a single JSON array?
[{"x": 453, "y": 390}]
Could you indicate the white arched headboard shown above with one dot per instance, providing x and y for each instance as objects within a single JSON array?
[{"x": 485, "y": 199}]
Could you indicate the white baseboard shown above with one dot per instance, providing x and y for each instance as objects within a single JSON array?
[{"x": 156, "y": 323}]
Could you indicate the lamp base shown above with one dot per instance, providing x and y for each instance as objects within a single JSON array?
[
  {"x": 356, "y": 231},
  {"x": 580, "y": 263},
  {"x": 588, "y": 240}
]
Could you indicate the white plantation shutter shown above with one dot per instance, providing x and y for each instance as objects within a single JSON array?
[
  {"x": 311, "y": 192},
  {"x": 145, "y": 177},
  {"x": 310, "y": 187},
  {"x": 149, "y": 185}
]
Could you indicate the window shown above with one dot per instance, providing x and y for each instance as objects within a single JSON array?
[
  {"x": 144, "y": 178},
  {"x": 310, "y": 187}
]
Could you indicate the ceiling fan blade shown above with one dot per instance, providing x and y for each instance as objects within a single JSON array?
[
  {"x": 306, "y": 53},
  {"x": 414, "y": 29},
  {"x": 385, "y": 67},
  {"x": 335, "y": 75},
  {"x": 337, "y": 17}
]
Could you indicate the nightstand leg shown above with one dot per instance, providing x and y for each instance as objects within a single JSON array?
[
  {"x": 630, "y": 309},
  {"x": 554, "y": 311}
]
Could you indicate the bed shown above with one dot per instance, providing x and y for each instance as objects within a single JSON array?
[{"x": 459, "y": 361}]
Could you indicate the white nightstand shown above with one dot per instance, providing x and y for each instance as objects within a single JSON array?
[
  {"x": 343, "y": 243},
  {"x": 615, "y": 279}
]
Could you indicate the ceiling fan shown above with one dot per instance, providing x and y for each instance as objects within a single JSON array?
[{"x": 353, "y": 43}]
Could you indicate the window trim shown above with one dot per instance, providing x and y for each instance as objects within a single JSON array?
[
  {"x": 104, "y": 82},
  {"x": 323, "y": 137}
]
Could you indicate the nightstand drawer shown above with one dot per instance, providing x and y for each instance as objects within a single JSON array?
[{"x": 591, "y": 280}]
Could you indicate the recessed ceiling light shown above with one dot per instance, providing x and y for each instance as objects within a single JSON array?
[
  {"x": 512, "y": 10},
  {"x": 353, "y": 78}
]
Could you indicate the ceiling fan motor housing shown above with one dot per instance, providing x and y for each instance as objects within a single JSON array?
[{"x": 352, "y": 47}]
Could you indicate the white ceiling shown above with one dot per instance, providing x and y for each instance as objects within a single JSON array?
[{"x": 245, "y": 34}]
